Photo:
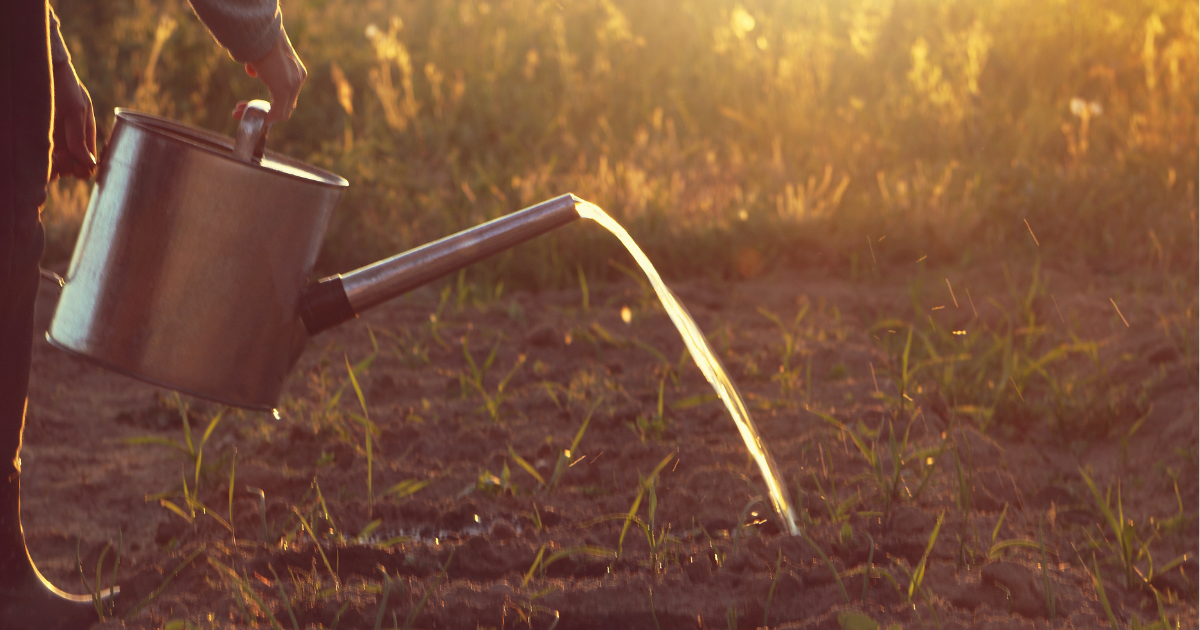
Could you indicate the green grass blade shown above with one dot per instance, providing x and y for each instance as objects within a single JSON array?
[
  {"x": 828, "y": 563},
  {"x": 317, "y": 544},
  {"x": 537, "y": 561},
  {"x": 527, "y": 466},
  {"x": 1099, "y": 584},
  {"x": 283, "y": 596},
  {"x": 408, "y": 487},
  {"x": 387, "y": 587},
  {"x": 412, "y": 616},
  {"x": 162, "y": 585},
  {"x": 919, "y": 573}
]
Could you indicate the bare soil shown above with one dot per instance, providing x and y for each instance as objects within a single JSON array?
[{"x": 468, "y": 539}]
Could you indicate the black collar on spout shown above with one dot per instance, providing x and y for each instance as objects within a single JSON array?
[{"x": 324, "y": 305}]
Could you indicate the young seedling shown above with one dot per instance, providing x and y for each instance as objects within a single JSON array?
[
  {"x": 98, "y": 593},
  {"x": 829, "y": 564},
  {"x": 193, "y": 451},
  {"x": 1046, "y": 588},
  {"x": 565, "y": 456},
  {"x": 491, "y": 402},
  {"x": 163, "y": 585},
  {"x": 368, "y": 428},
  {"x": 283, "y": 596},
  {"x": 789, "y": 375},
  {"x": 771, "y": 591}
]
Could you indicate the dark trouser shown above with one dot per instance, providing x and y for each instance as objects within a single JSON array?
[{"x": 25, "y": 115}]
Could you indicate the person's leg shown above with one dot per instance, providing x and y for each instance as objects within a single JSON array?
[{"x": 27, "y": 601}]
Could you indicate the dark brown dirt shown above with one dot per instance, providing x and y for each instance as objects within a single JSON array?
[{"x": 723, "y": 558}]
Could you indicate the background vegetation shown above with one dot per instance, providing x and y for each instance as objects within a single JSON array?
[{"x": 729, "y": 137}]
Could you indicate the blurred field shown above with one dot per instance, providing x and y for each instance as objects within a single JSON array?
[{"x": 731, "y": 138}]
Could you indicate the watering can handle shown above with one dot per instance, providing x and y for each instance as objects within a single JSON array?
[{"x": 251, "y": 140}]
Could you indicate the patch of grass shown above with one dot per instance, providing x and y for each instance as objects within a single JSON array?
[
  {"x": 478, "y": 372},
  {"x": 789, "y": 376},
  {"x": 890, "y": 483},
  {"x": 652, "y": 427},
  {"x": 97, "y": 592},
  {"x": 1127, "y": 547},
  {"x": 193, "y": 451}
]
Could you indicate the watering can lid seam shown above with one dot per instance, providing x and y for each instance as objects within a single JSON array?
[{"x": 177, "y": 132}]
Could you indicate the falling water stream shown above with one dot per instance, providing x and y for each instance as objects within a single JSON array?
[{"x": 708, "y": 363}]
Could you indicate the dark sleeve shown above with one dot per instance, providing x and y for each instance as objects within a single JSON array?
[
  {"x": 58, "y": 50},
  {"x": 247, "y": 28}
]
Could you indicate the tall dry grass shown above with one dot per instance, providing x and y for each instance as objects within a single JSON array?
[{"x": 728, "y": 136}]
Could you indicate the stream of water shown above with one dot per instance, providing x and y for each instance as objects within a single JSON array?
[{"x": 708, "y": 363}]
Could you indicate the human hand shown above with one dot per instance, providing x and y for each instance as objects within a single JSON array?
[
  {"x": 74, "y": 126},
  {"x": 283, "y": 73}
]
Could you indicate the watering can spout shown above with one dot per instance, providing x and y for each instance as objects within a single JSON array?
[{"x": 333, "y": 300}]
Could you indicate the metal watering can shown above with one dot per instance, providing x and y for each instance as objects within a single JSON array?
[{"x": 192, "y": 264}]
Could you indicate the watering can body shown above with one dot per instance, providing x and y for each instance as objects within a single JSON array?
[{"x": 192, "y": 265}]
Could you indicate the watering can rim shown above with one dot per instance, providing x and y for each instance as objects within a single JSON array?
[{"x": 190, "y": 136}]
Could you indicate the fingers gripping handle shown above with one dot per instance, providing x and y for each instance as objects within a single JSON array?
[{"x": 251, "y": 140}]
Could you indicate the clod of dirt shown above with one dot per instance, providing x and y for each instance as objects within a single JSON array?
[
  {"x": 968, "y": 596},
  {"x": 169, "y": 530},
  {"x": 543, "y": 336},
  {"x": 459, "y": 516},
  {"x": 698, "y": 569},
  {"x": 1051, "y": 495},
  {"x": 994, "y": 489},
  {"x": 1024, "y": 595},
  {"x": 477, "y": 559},
  {"x": 502, "y": 531},
  {"x": 911, "y": 520}
]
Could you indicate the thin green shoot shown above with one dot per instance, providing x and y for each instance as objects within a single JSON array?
[
  {"x": 637, "y": 501},
  {"x": 919, "y": 573},
  {"x": 262, "y": 510},
  {"x": 412, "y": 616},
  {"x": 337, "y": 617},
  {"x": 232, "y": 475},
  {"x": 564, "y": 457},
  {"x": 964, "y": 497},
  {"x": 162, "y": 585},
  {"x": 407, "y": 488},
  {"x": 537, "y": 562},
  {"x": 828, "y": 563},
  {"x": 526, "y": 466},
  {"x": 870, "y": 562},
  {"x": 368, "y": 427},
  {"x": 317, "y": 543},
  {"x": 325, "y": 510},
  {"x": 1047, "y": 589},
  {"x": 771, "y": 590},
  {"x": 387, "y": 588},
  {"x": 583, "y": 287},
  {"x": 283, "y": 596},
  {"x": 654, "y": 616},
  {"x": 1098, "y": 583},
  {"x": 97, "y": 592}
]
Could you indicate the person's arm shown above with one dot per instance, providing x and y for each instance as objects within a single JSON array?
[
  {"x": 252, "y": 31},
  {"x": 74, "y": 123}
]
